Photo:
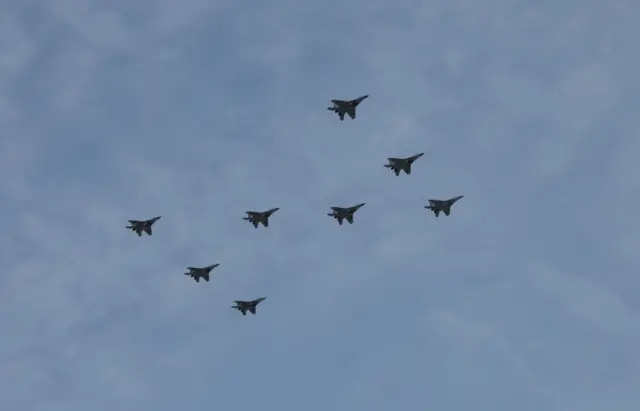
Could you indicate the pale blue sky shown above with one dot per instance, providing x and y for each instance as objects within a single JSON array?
[{"x": 525, "y": 298}]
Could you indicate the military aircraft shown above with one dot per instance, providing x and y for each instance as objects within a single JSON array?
[
  {"x": 402, "y": 164},
  {"x": 344, "y": 213},
  {"x": 198, "y": 273},
  {"x": 346, "y": 106},
  {"x": 244, "y": 306},
  {"x": 442, "y": 205},
  {"x": 257, "y": 217},
  {"x": 139, "y": 226}
]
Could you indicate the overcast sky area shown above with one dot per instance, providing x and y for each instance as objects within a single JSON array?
[{"x": 525, "y": 298}]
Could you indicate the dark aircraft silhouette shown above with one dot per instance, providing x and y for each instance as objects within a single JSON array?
[
  {"x": 198, "y": 273},
  {"x": 244, "y": 306},
  {"x": 344, "y": 213},
  {"x": 259, "y": 217},
  {"x": 402, "y": 164},
  {"x": 442, "y": 205},
  {"x": 138, "y": 226},
  {"x": 342, "y": 107}
]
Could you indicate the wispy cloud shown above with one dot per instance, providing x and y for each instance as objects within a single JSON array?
[{"x": 525, "y": 297}]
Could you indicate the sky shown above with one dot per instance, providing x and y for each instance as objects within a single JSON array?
[{"x": 524, "y": 298}]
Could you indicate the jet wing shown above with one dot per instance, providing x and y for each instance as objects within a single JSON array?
[
  {"x": 252, "y": 309},
  {"x": 350, "y": 218},
  {"x": 359, "y": 100},
  {"x": 341, "y": 114},
  {"x": 265, "y": 221},
  {"x": 352, "y": 113},
  {"x": 407, "y": 169},
  {"x": 446, "y": 210},
  {"x": 340, "y": 219},
  {"x": 133, "y": 222},
  {"x": 148, "y": 230},
  {"x": 339, "y": 102},
  {"x": 205, "y": 276}
]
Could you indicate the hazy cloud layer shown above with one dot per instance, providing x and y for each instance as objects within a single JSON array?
[{"x": 524, "y": 298}]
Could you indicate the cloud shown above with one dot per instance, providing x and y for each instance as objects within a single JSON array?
[{"x": 523, "y": 298}]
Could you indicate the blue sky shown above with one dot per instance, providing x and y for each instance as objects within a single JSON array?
[{"x": 525, "y": 298}]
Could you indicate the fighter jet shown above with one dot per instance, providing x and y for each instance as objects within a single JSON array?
[
  {"x": 442, "y": 205},
  {"x": 198, "y": 273},
  {"x": 139, "y": 226},
  {"x": 344, "y": 213},
  {"x": 346, "y": 106},
  {"x": 257, "y": 217},
  {"x": 402, "y": 164},
  {"x": 244, "y": 306}
]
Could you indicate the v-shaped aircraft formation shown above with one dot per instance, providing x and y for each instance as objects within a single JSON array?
[{"x": 395, "y": 164}]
